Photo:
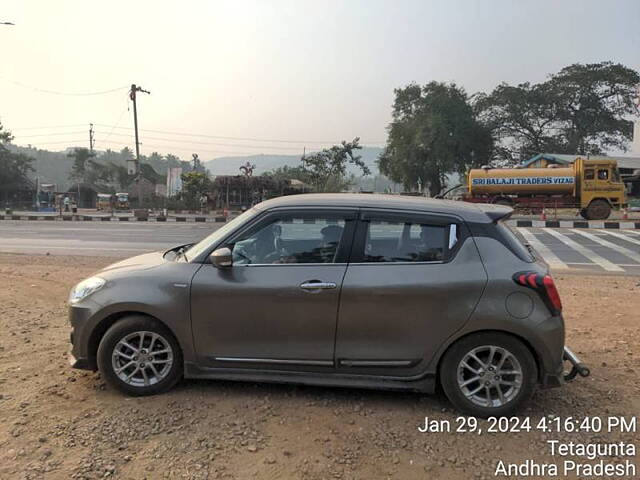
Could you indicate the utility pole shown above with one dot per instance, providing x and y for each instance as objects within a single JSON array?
[
  {"x": 92, "y": 140},
  {"x": 132, "y": 95}
]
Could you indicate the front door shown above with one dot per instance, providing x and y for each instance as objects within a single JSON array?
[
  {"x": 413, "y": 281},
  {"x": 277, "y": 305}
]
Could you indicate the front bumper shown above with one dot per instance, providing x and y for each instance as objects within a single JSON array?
[{"x": 79, "y": 355}]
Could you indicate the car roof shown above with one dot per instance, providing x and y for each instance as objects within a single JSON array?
[{"x": 471, "y": 212}]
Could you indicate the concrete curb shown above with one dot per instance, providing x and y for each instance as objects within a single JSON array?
[
  {"x": 613, "y": 224},
  {"x": 92, "y": 218}
]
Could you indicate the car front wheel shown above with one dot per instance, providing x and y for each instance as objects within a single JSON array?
[
  {"x": 139, "y": 356},
  {"x": 488, "y": 374}
]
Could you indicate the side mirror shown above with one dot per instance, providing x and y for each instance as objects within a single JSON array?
[{"x": 221, "y": 258}]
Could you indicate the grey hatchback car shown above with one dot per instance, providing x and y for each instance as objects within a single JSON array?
[{"x": 356, "y": 290}]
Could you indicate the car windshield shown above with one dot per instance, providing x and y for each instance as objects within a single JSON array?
[{"x": 219, "y": 234}]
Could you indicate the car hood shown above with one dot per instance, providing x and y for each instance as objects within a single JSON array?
[{"x": 145, "y": 261}]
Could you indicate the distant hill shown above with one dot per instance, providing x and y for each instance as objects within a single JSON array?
[
  {"x": 55, "y": 167},
  {"x": 264, "y": 162}
]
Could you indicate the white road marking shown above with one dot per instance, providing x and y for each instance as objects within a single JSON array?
[
  {"x": 624, "y": 237},
  {"x": 619, "y": 264},
  {"x": 616, "y": 248},
  {"x": 590, "y": 254},
  {"x": 550, "y": 257}
]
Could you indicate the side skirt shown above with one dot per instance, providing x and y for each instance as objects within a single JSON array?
[{"x": 425, "y": 384}]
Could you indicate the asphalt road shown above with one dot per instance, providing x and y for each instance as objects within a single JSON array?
[
  {"x": 615, "y": 252},
  {"x": 97, "y": 238}
]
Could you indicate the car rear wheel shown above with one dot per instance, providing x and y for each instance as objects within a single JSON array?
[
  {"x": 139, "y": 356},
  {"x": 488, "y": 374}
]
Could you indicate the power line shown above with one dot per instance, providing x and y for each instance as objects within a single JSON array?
[
  {"x": 187, "y": 149},
  {"x": 209, "y": 143},
  {"x": 249, "y": 139},
  {"x": 77, "y": 142},
  {"x": 166, "y": 148},
  {"x": 48, "y": 134},
  {"x": 48, "y": 127},
  {"x": 69, "y": 94}
]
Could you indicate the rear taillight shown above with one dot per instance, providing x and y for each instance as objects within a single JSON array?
[{"x": 544, "y": 285}]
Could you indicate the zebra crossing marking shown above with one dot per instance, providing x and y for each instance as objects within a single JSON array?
[
  {"x": 586, "y": 252},
  {"x": 623, "y": 250},
  {"x": 624, "y": 237},
  {"x": 550, "y": 257}
]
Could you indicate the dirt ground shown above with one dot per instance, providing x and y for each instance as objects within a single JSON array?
[{"x": 56, "y": 422}]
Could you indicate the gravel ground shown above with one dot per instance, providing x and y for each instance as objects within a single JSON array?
[{"x": 56, "y": 422}]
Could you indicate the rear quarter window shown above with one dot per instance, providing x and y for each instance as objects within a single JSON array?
[{"x": 515, "y": 242}]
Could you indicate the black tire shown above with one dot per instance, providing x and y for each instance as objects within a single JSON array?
[
  {"x": 598, "y": 210},
  {"x": 505, "y": 202},
  {"x": 129, "y": 326},
  {"x": 454, "y": 356}
]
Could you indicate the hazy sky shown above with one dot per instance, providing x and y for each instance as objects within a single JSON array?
[{"x": 301, "y": 71}]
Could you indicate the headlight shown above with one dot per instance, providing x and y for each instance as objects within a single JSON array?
[{"x": 85, "y": 288}]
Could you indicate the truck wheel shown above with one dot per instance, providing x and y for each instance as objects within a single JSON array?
[
  {"x": 598, "y": 210},
  {"x": 488, "y": 374}
]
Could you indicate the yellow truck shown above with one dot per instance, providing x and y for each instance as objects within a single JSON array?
[{"x": 592, "y": 186}]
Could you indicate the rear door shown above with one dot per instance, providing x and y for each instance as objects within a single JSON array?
[{"x": 413, "y": 280}]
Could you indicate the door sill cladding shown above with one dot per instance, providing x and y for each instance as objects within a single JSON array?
[
  {"x": 377, "y": 363},
  {"x": 275, "y": 361}
]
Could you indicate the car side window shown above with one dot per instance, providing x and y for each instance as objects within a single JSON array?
[
  {"x": 303, "y": 239},
  {"x": 397, "y": 241},
  {"x": 589, "y": 174},
  {"x": 603, "y": 174}
]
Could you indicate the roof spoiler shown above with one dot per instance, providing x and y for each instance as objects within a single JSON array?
[{"x": 496, "y": 212}]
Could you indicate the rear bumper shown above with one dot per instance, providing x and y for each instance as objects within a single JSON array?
[
  {"x": 560, "y": 377},
  {"x": 577, "y": 367}
]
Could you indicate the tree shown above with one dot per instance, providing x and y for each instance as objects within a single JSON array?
[
  {"x": 14, "y": 167},
  {"x": 433, "y": 133},
  {"x": 79, "y": 170},
  {"x": 286, "y": 172},
  {"x": 5, "y": 136},
  {"x": 327, "y": 169},
  {"x": 593, "y": 101},
  {"x": 194, "y": 184},
  {"x": 521, "y": 120},
  {"x": 583, "y": 109}
]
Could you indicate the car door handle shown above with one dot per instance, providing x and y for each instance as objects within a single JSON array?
[{"x": 316, "y": 285}]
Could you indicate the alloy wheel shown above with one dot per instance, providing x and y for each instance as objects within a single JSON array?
[
  {"x": 489, "y": 376},
  {"x": 141, "y": 359}
]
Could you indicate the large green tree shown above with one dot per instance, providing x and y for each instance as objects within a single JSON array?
[
  {"x": 583, "y": 109},
  {"x": 14, "y": 167},
  {"x": 327, "y": 170},
  {"x": 433, "y": 133}
]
